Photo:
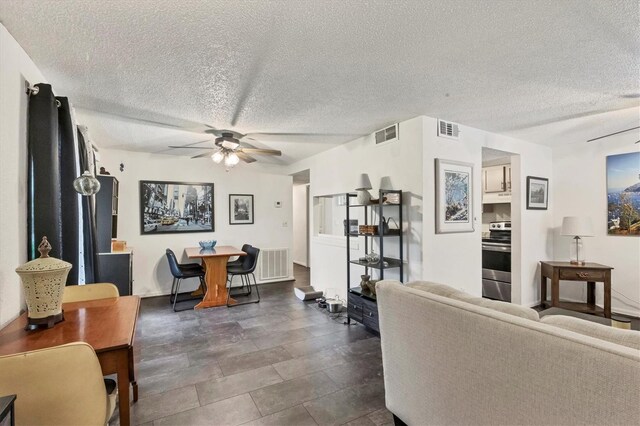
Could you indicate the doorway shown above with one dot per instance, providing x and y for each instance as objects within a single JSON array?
[
  {"x": 301, "y": 182},
  {"x": 497, "y": 213}
]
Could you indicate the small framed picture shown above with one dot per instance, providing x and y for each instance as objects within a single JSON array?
[
  {"x": 537, "y": 193},
  {"x": 240, "y": 209}
]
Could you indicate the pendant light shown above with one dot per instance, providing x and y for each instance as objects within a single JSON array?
[{"x": 86, "y": 184}]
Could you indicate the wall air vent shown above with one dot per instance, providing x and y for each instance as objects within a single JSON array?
[
  {"x": 447, "y": 129},
  {"x": 388, "y": 134}
]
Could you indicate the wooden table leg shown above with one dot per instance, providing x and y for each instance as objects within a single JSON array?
[
  {"x": 543, "y": 288},
  {"x": 132, "y": 375},
  {"x": 122, "y": 371},
  {"x": 555, "y": 288},
  {"x": 591, "y": 293},
  {"x": 216, "y": 279},
  {"x": 607, "y": 294}
]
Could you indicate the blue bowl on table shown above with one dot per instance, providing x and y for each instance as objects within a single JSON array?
[{"x": 208, "y": 245}]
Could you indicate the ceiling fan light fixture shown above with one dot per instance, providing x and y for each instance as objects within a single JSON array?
[
  {"x": 217, "y": 156},
  {"x": 231, "y": 159}
]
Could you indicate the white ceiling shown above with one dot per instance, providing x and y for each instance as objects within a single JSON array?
[{"x": 329, "y": 67}]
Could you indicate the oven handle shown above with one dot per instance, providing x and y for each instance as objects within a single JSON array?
[{"x": 498, "y": 248}]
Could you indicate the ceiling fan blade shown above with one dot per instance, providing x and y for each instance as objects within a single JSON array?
[
  {"x": 260, "y": 151},
  {"x": 615, "y": 133},
  {"x": 204, "y": 154},
  {"x": 245, "y": 157},
  {"x": 301, "y": 134},
  {"x": 193, "y": 145}
]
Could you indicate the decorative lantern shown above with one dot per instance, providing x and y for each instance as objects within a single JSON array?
[{"x": 44, "y": 280}]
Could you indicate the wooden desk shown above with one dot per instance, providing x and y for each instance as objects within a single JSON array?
[
  {"x": 215, "y": 264},
  {"x": 590, "y": 272},
  {"x": 108, "y": 325}
]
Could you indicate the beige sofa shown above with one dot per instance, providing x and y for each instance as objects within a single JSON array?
[{"x": 448, "y": 360}]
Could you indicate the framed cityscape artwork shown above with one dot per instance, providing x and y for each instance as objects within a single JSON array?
[
  {"x": 240, "y": 209},
  {"x": 454, "y": 196},
  {"x": 176, "y": 207}
]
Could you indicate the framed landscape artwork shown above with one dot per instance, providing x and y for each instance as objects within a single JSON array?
[
  {"x": 454, "y": 196},
  {"x": 623, "y": 194},
  {"x": 537, "y": 193},
  {"x": 176, "y": 207},
  {"x": 240, "y": 209}
]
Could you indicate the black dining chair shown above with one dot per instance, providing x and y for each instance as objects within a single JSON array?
[
  {"x": 246, "y": 271},
  {"x": 238, "y": 261},
  {"x": 181, "y": 272}
]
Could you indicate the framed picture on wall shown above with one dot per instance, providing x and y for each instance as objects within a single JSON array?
[
  {"x": 537, "y": 193},
  {"x": 240, "y": 209},
  {"x": 454, "y": 196},
  {"x": 623, "y": 194},
  {"x": 176, "y": 207}
]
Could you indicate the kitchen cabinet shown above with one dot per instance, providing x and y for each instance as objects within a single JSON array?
[
  {"x": 493, "y": 179},
  {"x": 496, "y": 184}
]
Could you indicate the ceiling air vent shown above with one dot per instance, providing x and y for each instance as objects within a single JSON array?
[
  {"x": 391, "y": 133},
  {"x": 447, "y": 129}
]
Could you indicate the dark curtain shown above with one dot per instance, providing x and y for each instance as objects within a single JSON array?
[
  {"x": 88, "y": 219},
  {"x": 57, "y": 154},
  {"x": 44, "y": 203},
  {"x": 69, "y": 199}
]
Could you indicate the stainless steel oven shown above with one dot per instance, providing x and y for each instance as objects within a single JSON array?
[{"x": 496, "y": 262}]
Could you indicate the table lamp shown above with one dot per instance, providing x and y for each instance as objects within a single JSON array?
[
  {"x": 577, "y": 227},
  {"x": 364, "y": 184}
]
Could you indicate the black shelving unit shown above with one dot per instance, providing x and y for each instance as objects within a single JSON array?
[
  {"x": 113, "y": 267},
  {"x": 361, "y": 304}
]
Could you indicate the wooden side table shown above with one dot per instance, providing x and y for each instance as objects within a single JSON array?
[{"x": 589, "y": 272}]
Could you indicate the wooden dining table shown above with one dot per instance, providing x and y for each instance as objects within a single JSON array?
[
  {"x": 108, "y": 325},
  {"x": 215, "y": 265}
]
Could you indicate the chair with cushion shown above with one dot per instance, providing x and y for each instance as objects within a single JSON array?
[
  {"x": 79, "y": 293},
  {"x": 181, "y": 272},
  {"x": 245, "y": 271},
  {"x": 61, "y": 385}
]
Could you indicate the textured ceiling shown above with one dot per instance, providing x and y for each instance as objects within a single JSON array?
[{"x": 332, "y": 66}]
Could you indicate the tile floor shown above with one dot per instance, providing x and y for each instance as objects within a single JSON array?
[{"x": 279, "y": 362}]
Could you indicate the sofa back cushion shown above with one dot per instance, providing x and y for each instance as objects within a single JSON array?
[
  {"x": 628, "y": 338},
  {"x": 452, "y": 293}
]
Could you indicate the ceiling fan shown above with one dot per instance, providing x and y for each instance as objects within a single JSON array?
[{"x": 228, "y": 149}]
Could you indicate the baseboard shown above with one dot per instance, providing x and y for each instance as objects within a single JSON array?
[{"x": 159, "y": 294}]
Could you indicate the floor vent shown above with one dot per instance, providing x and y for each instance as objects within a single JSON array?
[
  {"x": 273, "y": 264},
  {"x": 447, "y": 129},
  {"x": 387, "y": 134}
]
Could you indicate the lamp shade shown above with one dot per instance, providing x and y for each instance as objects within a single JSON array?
[
  {"x": 577, "y": 226},
  {"x": 363, "y": 182}
]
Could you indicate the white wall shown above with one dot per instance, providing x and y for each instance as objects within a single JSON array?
[
  {"x": 300, "y": 204},
  {"x": 456, "y": 259},
  {"x": 580, "y": 189},
  {"x": 272, "y": 227},
  {"x": 336, "y": 171},
  {"x": 15, "y": 68}
]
